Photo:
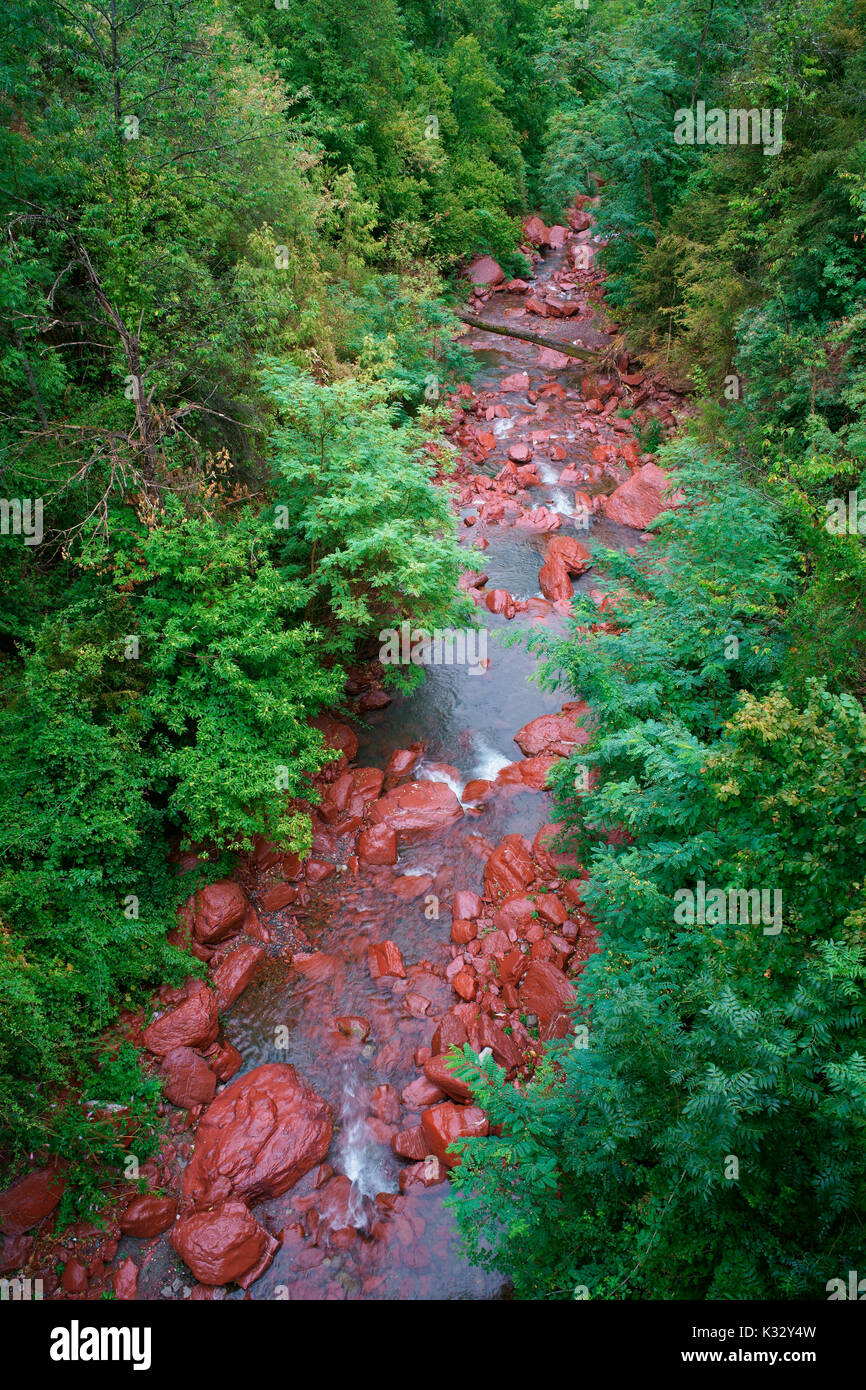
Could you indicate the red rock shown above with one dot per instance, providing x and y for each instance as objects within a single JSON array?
[
  {"x": 439, "y": 1074},
  {"x": 570, "y": 553},
  {"x": 485, "y": 271},
  {"x": 317, "y": 966},
  {"x": 517, "y": 381},
  {"x": 260, "y": 1136},
  {"x": 234, "y": 974},
  {"x": 540, "y": 520},
  {"x": 410, "y": 1143},
  {"x": 535, "y": 231},
  {"x": 504, "y": 1048},
  {"x": 467, "y": 904},
  {"x": 520, "y": 453},
  {"x": 281, "y": 895},
  {"x": 640, "y": 499},
  {"x": 404, "y": 760},
  {"x": 194, "y": 1023},
  {"x": 27, "y": 1201},
  {"x": 421, "y": 1092},
  {"x": 515, "y": 914},
  {"x": 550, "y": 733},
  {"x": 536, "y": 305},
  {"x": 15, "y": 1251},
  {"x": 557, "y": 236},
  {"x": 378, "y": 845},
  {"x": 385, "y": 1104},
  {"x": 426, "y": 1174},
  {"x": 450, "y": 1032},
  {"x": 545, "y": 992},
  {"x": 74, "y": 1276},
  {"x": 509, "y": 869},
  {"x": 463, "y": 931},
  {"x": 148, "y": 1215},
  {"x": 315, "y": 870},
  {"x": 551, "y": 909},
  {"x": 187, "y": 1078},
  {"x": 554, "y": 582},
  {"x": 446, "y": 1123},
  {"x": 578, "y": 221},
  {"x": 224, "y": 1246},
  {"x": 417, "y": 807},
  {"x": 338, "y": 737},
  {"x": 384, "y": 958},
  {"x": 219, "y": 911},
  {"x": 463, "y": 984},
  {"x": 500, "y": 601},
  {"x": 478, "y": 789}
]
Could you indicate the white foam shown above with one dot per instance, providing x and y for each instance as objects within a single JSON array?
[{"x": 489, "y": 762}]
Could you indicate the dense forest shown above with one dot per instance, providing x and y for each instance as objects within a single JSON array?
[{"x": 235, "y": 245}]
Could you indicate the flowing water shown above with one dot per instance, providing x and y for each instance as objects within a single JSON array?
[{"x": 370, "y": 1241}]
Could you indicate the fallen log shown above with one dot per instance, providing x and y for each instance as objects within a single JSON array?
[{"x": 585, "y": 354}]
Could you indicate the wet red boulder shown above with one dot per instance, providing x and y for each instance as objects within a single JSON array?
[
  {"x": 554, "y": 582},
  {"x": 384, "y": 958},
  {"x": 438, "y": 1072},
  {"x": 545, "y": 992},
  {"x": 404, "y": 760},
  {"x": 535, "y": 231},
  {"x": 194, "y": 1023},
  {"x": 224, "y": 1061},
  {"x": 148, "y": 1215},
  {"x": 557, "y": 236},
  {"x": 15, "y": 1251},
  {"x": 27, "y": 1201},
  {"x": 520, "y": 453},
  {"x": 353, "y": 1026},
  {"x": 187, "y": 1078},
  {"x": 467, "y": 904},
  {"x": 515, "y": 914},
  {"x": 338, "y": 737},
  {"x": 550, "y": 733},
  {"x": 124, "y": 1280},
  {"x": 219, "y": 911},
  {"x": 509, "y": 869},
  {"x": 485, "y": 271},
  {"x": 410, "y": 1143},
  {"x": 385, "y": 1104},
  {"x": 505, "y": 1050},
  {"x": 281, "y": 895},
  {"x": 463, "y": 931},
  {"x": 74, "y": 1276},
  {"x": 417, "y": 807},
  {"x": 500, "y": 601},
  {"x": 260, "y": 1136},
  {"x": 224, "y": 1246},
  {"x": 234, "y": 974},
  {"x": 569, "y": 552},
  {"x": 554, "y": 361},
  {"x": 421, "y": 1092},
  {"x": 517, "y": 381},
  {"x": 641, "y": 498},
  {"x": 446, "y": 1123},
  {"x": 450, "y": 1032},
  {"x": 539, "y": 520}
]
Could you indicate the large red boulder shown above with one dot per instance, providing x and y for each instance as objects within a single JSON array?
[
  {"x": 194, "y": 1023},
  {"x": 148, "y": 1215},
  {"x": 28, "y": 1200},
  {"x": 641, "y": 498},
  {"x": 417, "y": 807},
  {"x": 545, "y": 992},
  {"x": 550, "y": 733},
  {"x": 187, "y": 1078},
  {"x": 557, "y": 236},
  {"x": 256, "y": 1140},
  {"x": 570, "y": 553},
  {"x": 517, "y": 381},
  {"x": 124, "y": 1280},
  {"x": 467, "y": 905},
  {"x": 554, "y": 582},
  {"x": 509, "y": 869},
  {"x": 219, "y": 911},
  {"x": 535, "y": 231},
  {"x": 234, "y": 974},
  {"x": 444, "y": 1124},
  {"x": 439, "y": 1073},
  {"x": 224, "y": 1246},
  {"x": 338, "y": 737},
  {"x": 485, "y": 271}
]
